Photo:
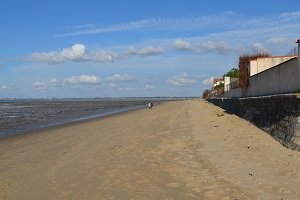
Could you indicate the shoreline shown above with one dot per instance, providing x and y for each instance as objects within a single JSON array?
[
  {"x": 177, "y": 150},
  {"x": 71, "y": 122}
]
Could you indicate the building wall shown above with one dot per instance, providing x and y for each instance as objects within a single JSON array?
[
  {"x": 262, "y": 64},
  {"x": 281, "y": 79},
  {"x": 226, "y": 83}
]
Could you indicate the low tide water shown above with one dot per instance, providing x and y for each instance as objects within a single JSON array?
[{"x": 20, "y": 116}]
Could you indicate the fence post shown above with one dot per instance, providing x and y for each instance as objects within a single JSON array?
[{"x": 298, "y": 41}]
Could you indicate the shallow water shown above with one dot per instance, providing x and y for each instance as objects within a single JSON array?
[{"x": 19, "y": 116}]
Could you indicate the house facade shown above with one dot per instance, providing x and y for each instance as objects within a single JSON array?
[{"x": 218, "y": 81}]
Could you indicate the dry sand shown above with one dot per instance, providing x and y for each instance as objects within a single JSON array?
[{"x": 177, "y": 150}]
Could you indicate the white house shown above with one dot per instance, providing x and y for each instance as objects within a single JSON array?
[{"x": 218, "y": 81}]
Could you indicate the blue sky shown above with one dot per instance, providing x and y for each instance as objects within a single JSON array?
[{"x": 67, "y": 48}]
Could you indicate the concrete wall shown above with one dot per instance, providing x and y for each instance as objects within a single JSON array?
[
  {"x": 281, "y": 79},
  {"x": 226, "y": 83},
  {"x": 230, "y": 83},
  {"x": 262, "y": 64},
  {"x": 234, "y": 93},
  {"x": 277, "y": 115}
]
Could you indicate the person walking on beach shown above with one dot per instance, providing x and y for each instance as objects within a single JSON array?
[{"x": 150, "y": 105}]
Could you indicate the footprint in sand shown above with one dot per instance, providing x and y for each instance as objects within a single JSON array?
[
  {"x": 173, "y": 185},
  {"x": 210, "y": 195}
]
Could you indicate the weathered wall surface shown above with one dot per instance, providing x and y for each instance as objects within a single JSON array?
[{"x": 277, "y": 115}]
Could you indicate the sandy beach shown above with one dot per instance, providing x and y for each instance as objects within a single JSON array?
[{"x": 177, "y": 150}]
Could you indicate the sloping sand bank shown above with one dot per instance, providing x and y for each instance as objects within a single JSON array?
[{"x": 177, "y": 150}]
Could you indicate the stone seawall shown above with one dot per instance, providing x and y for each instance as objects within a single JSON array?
[{"x": 277, "y": 115}]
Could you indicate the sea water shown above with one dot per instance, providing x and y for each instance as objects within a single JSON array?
[{"x": 20, "y": 116}]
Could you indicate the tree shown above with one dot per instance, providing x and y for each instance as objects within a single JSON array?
[
  {"x": 233, "y": 73},
  {"x": 219, "y": 89},
  {"x": 219, "y": 86},
  {"x": 205, "y": 94}
]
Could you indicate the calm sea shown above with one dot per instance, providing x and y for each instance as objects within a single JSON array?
[{"x": 20, "y": 116}]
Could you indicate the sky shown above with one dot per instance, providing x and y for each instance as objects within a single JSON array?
[{"x": 133, "y": 48}]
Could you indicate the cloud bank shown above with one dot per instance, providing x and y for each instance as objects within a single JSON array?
[
  {"x": 111, "y": 82},
  {"x": 3, "y": 87},
  {"x": 181, "y": 80},
  {"x": 83, "y": 79},
  {"x": 121, "y": 78},
  {"x": 182, "y": 45},
  {"x": 43, "y": 85},
  {"x": 75, "y": 53},
  {"x": 149, "y": 87},
  {"x": 201, "y": 47},
  {"x": 146, "y": 51}
]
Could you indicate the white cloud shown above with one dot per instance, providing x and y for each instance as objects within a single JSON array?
[
  {"x": 290, "y": 15},
  {"x": 182, "y": 45},
  {"x": 202, "y": 47},
  {"x": 218, "y": 47},
  {"x": 83, "y": 79},
  {"x": 84, "y": 26},
  {"x": 132, "y": 25},
  {"x": 54, "y": 82},
  {"x": 3, "y": 87},
  {"x": 146, "y": 51},
  {"x": 40, "y": 85},
  {"x": 181, "y": 80},
  {"x": 188, "y": 23},
  {"x": 149, "y": 87},
  {"x": 258, "y": 47},
  {"x": 126, "y": 89},
  {"x": 208, "y": 81},
  {"x": 46, "y": 84},
  {"x": 101, "y": 56},
  {"x": 243, "y": 32},
  {"x": 112, "y": 85},
  {"x": 111, "y": 82},
  {"x": 277, "y": 41},
  {"x": 76, "y": 53},
  {"x": 121, "y": 78},
  {"x": 239, "y": 33}
]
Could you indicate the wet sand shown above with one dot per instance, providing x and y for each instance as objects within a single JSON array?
[{"x": 177, "y": 150}]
